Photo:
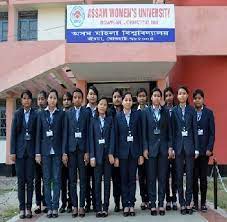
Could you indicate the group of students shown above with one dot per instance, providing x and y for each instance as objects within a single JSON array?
[{"x": 96, "y": 142}]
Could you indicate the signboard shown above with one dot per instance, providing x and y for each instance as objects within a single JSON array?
[{"x": 120, "y": 23}]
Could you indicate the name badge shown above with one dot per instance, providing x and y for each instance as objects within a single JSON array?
[
  {"x": 27, "y": 136},
  {"x": 102, "y": 141},
  {"x": 129, "y": 138},
  {"x": 156, "y": 131},
  {"x": 49, "y": 133},
  {"x": 78, "y": 135},
  {"x": 200, "y": 132},
  {"x": 184, "y": 133}
]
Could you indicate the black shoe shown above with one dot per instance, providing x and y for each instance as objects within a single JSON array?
[
  {"x": 162, "y": 212},
  {"x": 105, "y": 213},
  {"x": 174, "y": 207},
  {"x": 143, "y": 206},
  {"x": 183, "y": 211},
  {"x": 22, "y": 214},
  {"x": 87, "y": 208},
  {"x": 189, "y": 211},
  {"x": 74, "y": 213},
  {"x": 99, "y": 214},
  {"x": 117, "y": 208},
  {"x": 81, "y": 212},
  {"x": 69, "y": 209},
  {"x": 62, "y": 209},
  {"x": 204, "y": 208},
  {"x": 55, "y": 213},
  {"x": 49, "y": 214},
  {"x": 45, "y": 210},
  {"x": 29, "y": 216},
  {"x": 168, "y": 207},
  {"x": 195, "y": 208},
  {"x": 125, "y": 213},
  {"x": 154, "y": 213},
  {"x": 38, "y": 210},
  {"x": 132, "y": 212}
]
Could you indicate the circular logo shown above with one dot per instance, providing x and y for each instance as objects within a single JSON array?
[{"x": 77, "y": 16}]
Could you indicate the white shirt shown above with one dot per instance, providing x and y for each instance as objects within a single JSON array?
[
  {"x": 139, "y": 107},
  {"x": 157, "y": 112},
  {"x": 127, "y": 116},
  {"x": 77, "y": 112},
  {"x": 27, "y": 115},
  {"x": 92, "y": 109}
]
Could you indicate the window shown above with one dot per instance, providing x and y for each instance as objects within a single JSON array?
[
  {"x": 2, "y": 123},
  {"x": 27, "y": 25},
  {"x": 3, "y": 26}
]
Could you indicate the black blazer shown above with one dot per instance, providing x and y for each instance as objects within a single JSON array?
[
  {"x": 45, "y": 143},
  {"x": 206, "y": 123},
  {"x": 124, "y": 148},
  {"x": 70, "y": 142},
  {"x": 156, "y": 143},
  {"x": 18, "y": 144},
  {"x": 189, "y": 143},
  {"x": 101, "y": 151}
]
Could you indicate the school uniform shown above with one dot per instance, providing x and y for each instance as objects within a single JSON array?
[
  {"x": 128, "y": 149},
  {"x": 65, "y": 187},
  {"x": 171, "y": 173},
  {"x": 206, "y": 138},
  {"x": 90, "y": 187},
  {"x": 22, "y": 144},
  {"x": 49, "y": 146},
  {"x": 116, "y": 175},
  {"x": 185, "y": 144},
  {"x": 75, "y": 145},
  {"x": 142, "y": 173},
  {"x": 157, "y": 138},
  {"x": 101, "y": 145},
  {"x": 39, "y": 186}
]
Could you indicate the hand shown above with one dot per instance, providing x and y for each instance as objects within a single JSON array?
[
  {"x": 86, "y": 159},
  {"x": 145, "y": 154},
  {"x": 141, "y": 160},
  {"x": 196, "y": 154},
  {"x": 38, "y": 158},
  {"x": 13, "y": 157},
  {"x": 111, "y": 159},
  {"x": 116, "y": 162},
  {"x": 65, "y": 159},
  {"x": 208, "y": 153},
  {"x": 170, "y": 153},
  {"x": 92, "y": 162}
]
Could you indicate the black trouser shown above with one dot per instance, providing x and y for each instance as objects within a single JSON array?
[
  {"x": 90, "y": 188},
  {"x": 157, "y": 167},
  {"x": 128, "y": 168},
  {"x": 39, "y": 188},
  {"x": 200, "y": 173},
  {"x": 187, "y": 160},
  {"x": 103, "y": 169},
  {"x": 76, "y": 161},
  {"x": 25, "y": 168},
  {"x": 116, "y": 179},
  {"x": 65, "y": 187},
  {"x": 171, "y": 173},
  {"x": 142, "y": 172}
]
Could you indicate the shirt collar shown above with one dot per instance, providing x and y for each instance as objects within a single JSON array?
[
  {"x": 77, "y": 108},
  {"x": 200, "y": 110},
  {"x": 128, "y": 114},
  {"x": 47, "y": 109},
  {"x": 27, "y": 111},
  {"x": 139, "y": 107},
  {"x": 182, "y": 107},
  {"x": 154, "y": 108},
  {"x": 89, "y": 106}
]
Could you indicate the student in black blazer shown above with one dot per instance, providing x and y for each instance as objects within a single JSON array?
[
  {"x": 65, "y": 184},
  {"x": 92, "y": 97},
  {"x": 22, "y": 150},
  {"x": 116, "y": 176},
  {"x": 49, "y": 150},
  {"x": 185, "y": 144},
  {"x": 39, "y": 187},
  {"x": 142, "y": 169},
  {"x": 157, "y": 144},
  {"x": 75, "y": 150},
  {"x": 206, "y": 138},
  {"x": 102, "y": 154},
  {"x": 171, "y": 201},
  {"x": 128, "y": 151}
]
